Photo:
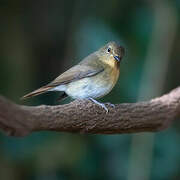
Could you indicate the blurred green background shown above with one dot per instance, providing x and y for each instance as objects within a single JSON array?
[{"x": 41, "y": 39}]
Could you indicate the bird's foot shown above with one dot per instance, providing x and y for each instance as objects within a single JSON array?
[
  {"x": 109, "y": 104},
  {"x": 100, "y": 104}
]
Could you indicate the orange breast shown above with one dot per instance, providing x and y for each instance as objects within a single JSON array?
[
  {"x": 114, "y": 70},
  {"x": 115, "y": 74}
]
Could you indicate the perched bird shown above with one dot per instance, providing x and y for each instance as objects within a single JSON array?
[{"x": 92, "y": 78}]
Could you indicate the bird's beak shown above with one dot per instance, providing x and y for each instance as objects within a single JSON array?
[{"x": 117, "y": 58}]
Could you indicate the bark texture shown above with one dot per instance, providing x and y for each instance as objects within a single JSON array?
[{"x": 87, "y": 117}]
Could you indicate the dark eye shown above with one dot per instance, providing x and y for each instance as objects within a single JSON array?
[{"x": 109, "y": 49}]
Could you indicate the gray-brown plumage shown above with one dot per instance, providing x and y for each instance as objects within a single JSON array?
[{"x": 93, "y": 77}]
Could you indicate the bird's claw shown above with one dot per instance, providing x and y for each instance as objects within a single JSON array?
[
  {"x": 109, "y": 104},
  {"x": 104, "y": 107}
]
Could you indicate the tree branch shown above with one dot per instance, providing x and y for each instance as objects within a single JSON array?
[{"x": 86, "y": 117}]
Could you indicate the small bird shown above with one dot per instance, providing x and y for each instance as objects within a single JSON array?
[{"x": 92, "y": 78}]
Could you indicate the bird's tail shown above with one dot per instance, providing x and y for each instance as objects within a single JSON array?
[{"x": 37, "y": 92}]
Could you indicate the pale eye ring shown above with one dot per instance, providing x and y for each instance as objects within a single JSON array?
[{"x": 109, "y": 50}]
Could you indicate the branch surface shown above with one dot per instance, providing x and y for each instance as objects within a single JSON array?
[{"x": 86, "y": 117}]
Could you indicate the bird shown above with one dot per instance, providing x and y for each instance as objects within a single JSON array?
[{"x": 92, "y": 78}]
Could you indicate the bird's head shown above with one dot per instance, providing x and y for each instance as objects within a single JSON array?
[{"x": 112, "y": 52}]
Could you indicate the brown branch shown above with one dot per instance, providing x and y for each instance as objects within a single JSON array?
[{"x": 87, "y": 117}]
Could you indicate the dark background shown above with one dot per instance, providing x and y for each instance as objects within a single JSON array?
[{"x": 41, "y": 39}]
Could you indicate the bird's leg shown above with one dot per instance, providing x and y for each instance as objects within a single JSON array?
[{"x": 100, "y": 104}]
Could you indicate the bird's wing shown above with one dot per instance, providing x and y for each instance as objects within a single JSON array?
[
  {"x": 88, "y": 67},
  {"x": 75, "y": 73}
]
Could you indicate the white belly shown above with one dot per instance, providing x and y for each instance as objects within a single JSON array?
[{"x": 86, "y": 88}]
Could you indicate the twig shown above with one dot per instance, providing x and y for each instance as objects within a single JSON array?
[{"x": 86, "y": 117}]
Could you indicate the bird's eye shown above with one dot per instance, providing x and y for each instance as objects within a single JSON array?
[{"x": 109, "y": 50}]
